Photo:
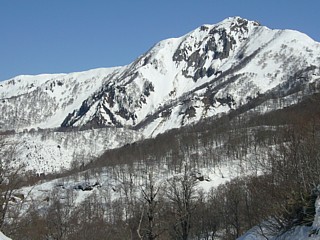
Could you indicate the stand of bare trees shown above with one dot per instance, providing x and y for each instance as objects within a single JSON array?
[
  {"x": 158, "y": 198},
  {"x": 12, "y": 177}
]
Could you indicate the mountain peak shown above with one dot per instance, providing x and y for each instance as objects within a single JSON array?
[{"x": 232, "y": 21}]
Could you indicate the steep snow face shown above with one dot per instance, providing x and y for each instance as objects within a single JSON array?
[
  {"x": 45, "y": 100},
  {"x": 210, "y": 70},
  {"x": 208, "y": 48},
  {"x": 167, "y": 72}
]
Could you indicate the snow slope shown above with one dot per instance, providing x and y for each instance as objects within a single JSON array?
[
  {"x": 43, "y": 101},
  {"x": 52, "y": 151},
  {"x": 208, "y": 71}
]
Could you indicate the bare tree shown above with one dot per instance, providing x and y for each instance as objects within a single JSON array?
[
  {"x": 182, "y": 195},
  {"x": 151, "y": 210},
  {"x": 10, "y": 179}
]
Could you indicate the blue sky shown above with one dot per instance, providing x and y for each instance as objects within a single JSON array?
[{"x": 43, "y": 36}]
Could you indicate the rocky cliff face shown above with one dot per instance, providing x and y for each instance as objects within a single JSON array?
[{"x": 211, "y": 70}]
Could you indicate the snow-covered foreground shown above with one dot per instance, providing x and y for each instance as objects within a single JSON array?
[
  {"x": 104, "y": 183},
  {"x": 297, "y": 233},
  {"x": 3, "y": 237},
  {"x": 107, "y": 187}
]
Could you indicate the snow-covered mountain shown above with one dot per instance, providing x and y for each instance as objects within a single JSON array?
[{"x": 179, "y": 81}]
